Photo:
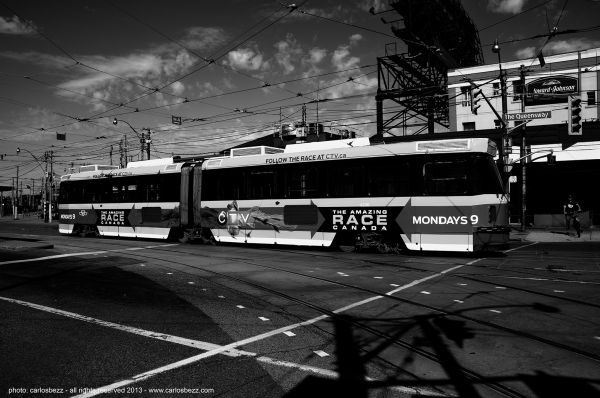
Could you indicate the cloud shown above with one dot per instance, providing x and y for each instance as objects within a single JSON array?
[
  {"x": 14, "y": 26},
  {"x": 559, "y": 47},
  {"x": 506, "y": 6},
  {"x": 316, "y": 55},
  {"x": 204, "y": 38},
  {"x": 245, "y": 59},
  {"x": 341, "y": 58},
  {"x": 355, "y": 38},
  {"x": 287, "y": 51}
]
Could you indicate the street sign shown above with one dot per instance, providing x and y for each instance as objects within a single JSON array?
[{"x": 529, "y": 115}]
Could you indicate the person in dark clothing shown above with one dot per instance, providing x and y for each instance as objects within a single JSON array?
[{"x": 571, "y": 209}]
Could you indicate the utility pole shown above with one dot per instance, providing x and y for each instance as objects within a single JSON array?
[
  {"x": 126, "y": 149},
  {"x": 111, "y": 152},
  {"x": 142, "y": 145},
  {"x": 148, "y": 141},
  {"x": 51, "y": 178},
  {"x": 523, "y": 155},
  {"x": 16, "y": 203},
  {"x": 45, "y": 207}
]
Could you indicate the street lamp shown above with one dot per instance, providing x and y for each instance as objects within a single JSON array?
[
  {"x": 143, "y": 140},
  {"x": 504, "y": 145}
]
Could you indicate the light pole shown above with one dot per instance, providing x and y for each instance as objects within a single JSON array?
[
  {"x": 145, "y": 142},
  {"x": 504, "y": 141}
]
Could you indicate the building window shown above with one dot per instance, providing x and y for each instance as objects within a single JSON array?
[
  {"x": 591, "y": 100},
  {"x": 468, "y": 126},
  {"x": 496, "y": 87}
]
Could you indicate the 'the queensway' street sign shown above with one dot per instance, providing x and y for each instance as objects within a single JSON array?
[{"x": 529, "y": 115}]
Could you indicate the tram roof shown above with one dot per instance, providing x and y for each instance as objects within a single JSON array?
[
  {"x": 346, "y": 149},
  {"x": 137, "y": 168}
]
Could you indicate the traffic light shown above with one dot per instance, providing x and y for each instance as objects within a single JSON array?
[
  {"x": 476, "y": 96},
  {"x": 574, "y": 116},
  {"x": 551, "y": 160}
]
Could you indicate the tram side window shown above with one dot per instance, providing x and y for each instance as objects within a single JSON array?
[
  {"x": 388, "y": 177},
  {"x": 224, "y": 184},
  {"x": 445, "y": 177},
  {"x": 302, "y": 181},
  {"x": 261, "y": 183},
  {"x": 346, "y": 178}
]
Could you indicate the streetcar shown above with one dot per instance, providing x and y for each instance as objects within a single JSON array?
[{"x": 436, "y": 195}]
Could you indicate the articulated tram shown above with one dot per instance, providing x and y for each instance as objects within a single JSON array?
[{"x": 441, "y": 195}]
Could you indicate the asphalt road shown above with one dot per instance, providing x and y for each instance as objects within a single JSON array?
[{"x": 108, "y": 317}]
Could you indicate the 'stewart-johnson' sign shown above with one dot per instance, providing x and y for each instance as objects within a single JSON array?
[{"x": 550, "y": 90}]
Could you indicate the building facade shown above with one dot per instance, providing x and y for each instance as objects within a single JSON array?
[{"x": 537, "y": 93}]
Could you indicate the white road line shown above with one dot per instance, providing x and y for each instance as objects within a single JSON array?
[
  {"x": 559, "y": 291},
  {"x": 565, "y": 270},
  {"x": 289, "y": 334},
  {"x": 322, "y": 354},
  {"x": 458, "y": 301},
  {"x": 262, "y": 318},
  {"x": 378, "y": 277},
  {"x": 205, "y": 346},
  {"x": 425, "y": 292},
  {"x": 496, "y": 311},
  {"x": 241, "y": 307},
  {"x": 546, "y": 280},
  {"x": 519, "y": 247},
  {"x": 66, "y": 255},
  {"x": 190, "y": 283},
  {"x": 30, "y": 260},
  {"x": 129, "y": 329}
]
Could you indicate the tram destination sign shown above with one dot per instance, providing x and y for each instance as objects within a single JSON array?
[{"x": 529, "y": 115}]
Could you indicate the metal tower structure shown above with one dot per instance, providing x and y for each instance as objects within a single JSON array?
[{"x": 439, "y": 35}]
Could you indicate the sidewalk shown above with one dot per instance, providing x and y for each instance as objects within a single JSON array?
[{"x": 555, "y": 234}]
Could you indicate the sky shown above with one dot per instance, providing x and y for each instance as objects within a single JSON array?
[{"x": 230, "y": 69}]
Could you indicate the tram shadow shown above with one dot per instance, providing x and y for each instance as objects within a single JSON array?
[{"x": 433, "y": 340}]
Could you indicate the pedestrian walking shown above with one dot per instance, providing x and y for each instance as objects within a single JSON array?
[{"x": 571, "y": 209}]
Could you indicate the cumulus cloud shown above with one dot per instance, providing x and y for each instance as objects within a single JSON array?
[
  {"x": 341, "y": 58},
  {"x": 288, "y": 50},
  {"x": 245, "y": 59},
  {"x": 316, "y": 55},
  {"x": 506, "y": 6},
  {"x": 14, "y": 26}
]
